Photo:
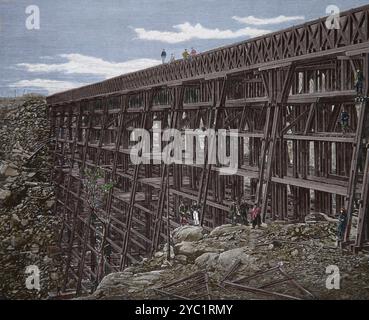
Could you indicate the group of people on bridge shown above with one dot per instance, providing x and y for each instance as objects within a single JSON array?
[{"x": 186, "y": 55}]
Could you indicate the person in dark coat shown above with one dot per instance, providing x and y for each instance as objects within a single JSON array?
[
  {"x": 244, "y": 210},
  {"x": 342, "y": 224},
  {"x": 233, "y": 212},
  {"x": 359, "y": 82},
  {"x": 345, "y": 121},
  {"x": 163, "y": 56}
]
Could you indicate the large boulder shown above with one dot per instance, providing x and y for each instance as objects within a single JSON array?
[
  {"x": 181, "y": 259},
  {"x": 8, "y": 170},
  {"x": 208, "y": 260},
  {"x": 188, "y": 234},
  {"x": 227, "y": 229},
  {"x": 146, "y": 279},
  {"x": 228, "y": 258},
  {"x": 4, "y": 195},
  {"x": 192, "y": 250},
  {"x": 125, "y": 283},
  {"x": 188, "y": 249}
]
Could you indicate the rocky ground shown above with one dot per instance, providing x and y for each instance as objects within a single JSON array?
[
  {"x": 304, "y": 250},
  {"x": 27, "y": 226}
]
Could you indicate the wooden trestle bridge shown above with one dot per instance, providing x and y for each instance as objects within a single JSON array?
[{"x": 284, "y": 92}]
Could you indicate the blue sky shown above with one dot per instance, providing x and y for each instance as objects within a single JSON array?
[{"x": 84, "y": 41}]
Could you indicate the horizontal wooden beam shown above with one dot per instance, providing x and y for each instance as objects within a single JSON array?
[
  {"x": 321, "y": 137},
  {"x": 312, "y": 185}
]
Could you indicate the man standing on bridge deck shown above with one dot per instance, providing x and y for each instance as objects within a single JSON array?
[
  {"x": 185, "y": 55},
  {"x": 163, "y": 56},
  {"x": 193, "y": 52}
]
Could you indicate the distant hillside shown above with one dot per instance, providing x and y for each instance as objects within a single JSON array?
[{"x": 10, "y": 103}]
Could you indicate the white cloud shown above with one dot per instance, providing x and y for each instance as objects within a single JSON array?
[
  {"x": 265, "y": 21},
  {"x": 81, "y": 64},
  {"x": 187, "y": 32},
  {"x": 51, "y": 86},
  {"x": 77, "y": 64}
]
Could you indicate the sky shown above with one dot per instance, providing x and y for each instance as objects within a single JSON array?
[{"x": 77, "y": 42}]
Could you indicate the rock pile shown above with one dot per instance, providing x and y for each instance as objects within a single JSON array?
[
  {"x": 304, "y": 250},
  {"x": 27, "y": 226}
]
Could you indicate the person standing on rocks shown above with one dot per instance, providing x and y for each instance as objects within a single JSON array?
[
  {"x": 256, "y": 216},
  {"x": 183, "y": 213},
  {"x": 244, "y": 210},
  {"x": 233, "y": 212},
  {"x": 195, "y": 214},
  {"x": 342, "y": 224}
]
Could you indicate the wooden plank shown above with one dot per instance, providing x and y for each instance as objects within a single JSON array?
[
  {"x": 339, "y": 96},
  {"x": 353, "y": 171},
  {"x": 364, "y": 205},
  {"x": 313, "y": 185},
  {"x": 259, "y": 291},
  {"x": 294, "y": 122},
  {"x": 246, "y": 101},
  {"x": 343, "y": 138}
]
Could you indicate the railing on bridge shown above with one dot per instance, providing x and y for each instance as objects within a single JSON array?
[{"x": 309, "y": 39}]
